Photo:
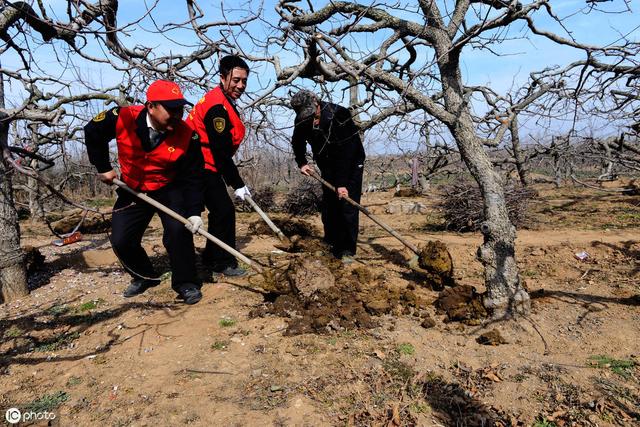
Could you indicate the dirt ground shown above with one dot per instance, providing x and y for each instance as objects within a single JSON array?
[{"x": 370, "y": 349}]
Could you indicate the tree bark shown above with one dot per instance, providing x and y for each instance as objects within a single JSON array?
[
  {"x": 557, "y": 162},
  {"x": 505, "y": 295},
  {"x": 518, "y": 155},
  {"x": 607, "y": 162},
  {"x": 414, "y": 173},
  {"x": 13, "y": 274}
]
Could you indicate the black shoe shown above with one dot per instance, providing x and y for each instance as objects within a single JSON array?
[
  {"x": 190, "y": 295},
  {"x": 230, "y": 271},
  {"x": 139, "y": 286}
]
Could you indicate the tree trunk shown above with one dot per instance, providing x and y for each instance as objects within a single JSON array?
[
  {"x": 518, "y": 155},
  {"x": 505, "y": 294},
  {"x": 36, "y": 211},
  {"x": 557, "y": 162},
  {"x": 424, "y": 185},
  {"x": 414, "y": 174},
  {"x": 607, "y": 162},
  {"x": 36, "y": 207},
  {"x": 13, "y": 274}
]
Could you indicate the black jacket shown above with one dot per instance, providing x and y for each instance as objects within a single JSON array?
[
  {"x": 335, "y": 143},
  {"x": 102, "y": 129},
  {"x": 221, "y": 144}
]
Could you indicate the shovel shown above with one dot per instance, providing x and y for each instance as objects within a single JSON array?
[
  {"x": 365, "y": 211},
  {"x": 183, "y": 220},
  {"x": 286, "y": 243}
]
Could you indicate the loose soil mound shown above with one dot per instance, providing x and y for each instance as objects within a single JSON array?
[
  {"x": 324, "y": 295},
  {"x": 407, "y": 192},
  {"x": 289, "y": 226},
  {"x": 436, "y": 260},
  {"x": 463, "y": 304}
]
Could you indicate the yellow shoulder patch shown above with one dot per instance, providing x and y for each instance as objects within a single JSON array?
[
  {"x": 100, "y": 117},
  {"x": 219, "y": 124}
]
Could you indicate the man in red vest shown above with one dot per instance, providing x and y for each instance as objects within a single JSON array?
[
  {"x": 158, "y": 155},
  {"x": 217, "y": 121}
]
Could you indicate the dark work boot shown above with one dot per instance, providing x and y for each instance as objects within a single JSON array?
[
  {"x": 229, "y": 271},
  {"x": 236, "y": 271},
  {"x": 190, "y": 294},
  {"x": 138, "y": 287}
]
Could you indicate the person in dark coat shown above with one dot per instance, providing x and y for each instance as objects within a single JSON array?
[
  {"x": 158, "y": 155},
  {"x": 219, "y": 124},
  {"x": 338, "y": 152}
]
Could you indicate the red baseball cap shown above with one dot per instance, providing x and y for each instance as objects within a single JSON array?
[{"x": 167, "y": 93}]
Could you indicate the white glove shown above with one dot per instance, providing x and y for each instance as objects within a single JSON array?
[
  {"x": 195, "y": 222},
  {"x": 242, "y": 192}
]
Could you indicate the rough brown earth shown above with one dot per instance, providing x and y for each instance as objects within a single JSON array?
[{"x": 374, "y": 348}]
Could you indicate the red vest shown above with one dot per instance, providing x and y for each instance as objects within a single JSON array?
[
  {"x": 150, "y": 171},
  {"x": 196, "y": 121}
]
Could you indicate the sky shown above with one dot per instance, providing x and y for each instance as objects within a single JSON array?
[{"x": 506, "y": 67}]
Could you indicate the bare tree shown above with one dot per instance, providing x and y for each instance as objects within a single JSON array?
[{"x": 414, "y": 64}]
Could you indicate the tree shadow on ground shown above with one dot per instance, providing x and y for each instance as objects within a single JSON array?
[
  {"x": 436, "y": 227},
  {"x": 582, "y": 298},
  {"x": 621, "y": 399},
  {"x": 59, "y": 325},
  {"x": 585, "y": 300},
  {"x": 75, "y": 260},
  {"x": 400, "y": 394},
  {"x": 574, "y": 200},
  {"x": 453, "y": 405}
]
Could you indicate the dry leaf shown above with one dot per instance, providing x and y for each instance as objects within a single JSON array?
[
  {"x": 395, "y": 416},
  {"x": 493, "y": 377}
]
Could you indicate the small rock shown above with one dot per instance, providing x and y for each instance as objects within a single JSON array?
[
  {"x": 492, "y": 337},
  {"x": 428, "y": 322}
]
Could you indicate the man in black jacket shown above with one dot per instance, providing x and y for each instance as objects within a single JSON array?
[
  {"x": 338, "y": 152},
  {"x": 160, "y": 156}
]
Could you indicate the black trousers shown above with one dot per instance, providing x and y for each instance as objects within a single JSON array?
[
  {"x": 221, "y": 222},
  {"x": 340, "y": 219},
  {"x": 129, "y": 225}
]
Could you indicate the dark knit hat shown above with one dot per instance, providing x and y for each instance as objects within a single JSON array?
[{"x": 304, "y": 104}]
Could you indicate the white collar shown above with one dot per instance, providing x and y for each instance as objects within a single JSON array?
[{"x": 150, "y": 124}]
